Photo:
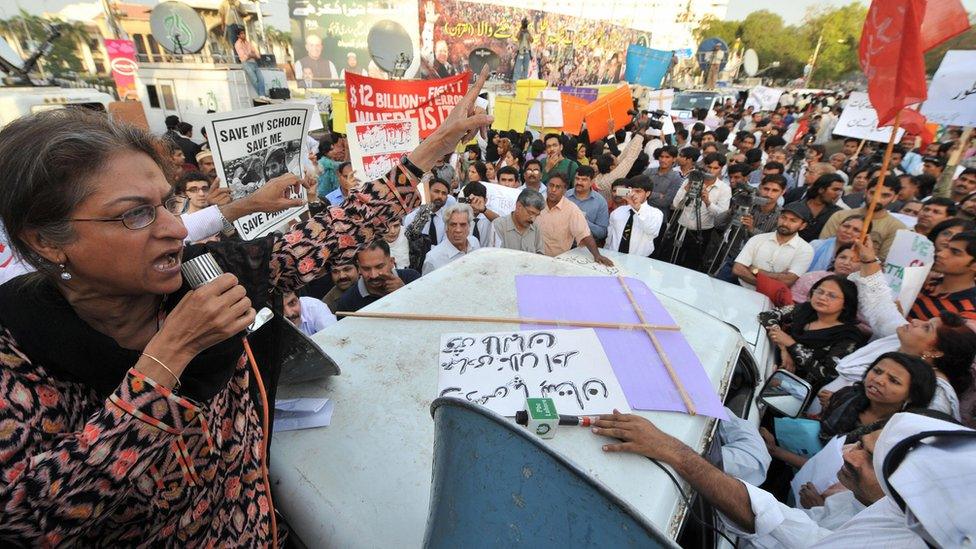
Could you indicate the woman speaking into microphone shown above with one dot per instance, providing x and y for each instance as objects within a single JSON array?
[{"x": 128, "y": 410}]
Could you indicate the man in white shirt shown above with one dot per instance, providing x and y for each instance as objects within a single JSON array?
[
  {"x": 476, "y": 195},
  {"x": 938, "y": 466},
  {"x": 310, "y": 315},
  {"x": 781, "y": 254},
  {"x": 459, "y": 241},
  {"x": 697, "y": 219},
  {"x": 634, "y": 227}
]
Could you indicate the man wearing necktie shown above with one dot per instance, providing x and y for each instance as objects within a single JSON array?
[{"x": 634, "y": 227}]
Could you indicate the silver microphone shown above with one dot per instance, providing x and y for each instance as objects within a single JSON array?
[{"x": 204, "y": 268}]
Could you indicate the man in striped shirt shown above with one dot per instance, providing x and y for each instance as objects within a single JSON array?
[{"x": 956, "y": 291}]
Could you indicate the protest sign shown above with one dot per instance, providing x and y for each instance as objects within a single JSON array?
[
  {"x": 251, "y": 147},
  {"x": 376, "y": 147},
  {"x": 909, "y": 260},
  {"x": 611, "y": 107},
  {"x": 500, "y": 370},
  {"x": 952, "y": 93},
  {"x": 427, "y": 101},
  {"x": 340, "y": 112},
  {"x": 501, "y": 199},
  {"x": 646, "y": 66},
  {"x": 546, "y": 110},
  {"x": 656, "y": 100},
  {"x": 762, "y": 98},
  {"x": 588, "y": 95},
  {"x": 574, "y": 108},
  {"x": 528, "y": 89},
  {"x": 510, "y": 114},
  {"x": 860, "y": 120}
]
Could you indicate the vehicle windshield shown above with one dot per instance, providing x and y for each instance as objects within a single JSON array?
[{"x": 689, "y": 101}]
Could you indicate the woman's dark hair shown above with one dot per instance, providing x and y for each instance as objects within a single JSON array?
[
  {"x": 804, "y": 313},
  {"x": 965, "y": 224},
  {"x": 957, "y": 341},
  {"x": 821, "y": 183},
  {"x": 921, "y": 388},
  {"x": 837, "y": 252},
  {"x": 46, "y": 162},
  {"x": 481, "y": 168}
]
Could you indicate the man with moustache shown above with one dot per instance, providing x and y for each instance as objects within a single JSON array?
[{"x": 517, "y": 230}]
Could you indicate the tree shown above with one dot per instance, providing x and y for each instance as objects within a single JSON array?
[{"x": 33, "y": 31}]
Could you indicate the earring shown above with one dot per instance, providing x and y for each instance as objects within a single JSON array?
[{"x": 65, "y": 275}]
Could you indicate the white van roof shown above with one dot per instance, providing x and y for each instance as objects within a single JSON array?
[{"x": 365, "y": 479}]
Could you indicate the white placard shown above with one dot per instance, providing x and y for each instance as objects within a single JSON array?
[
  {"x": 653, "y": 100},
  {"x": 952, "y": 93},
  {"x": 546, "y": 110},
  {"x": 860, "y": 120},
  {"x": 500, "y": 370},
  {"x": 762, "y": 98},
  {"x": 376, "y": 147},
  {"x": 251, "y": 147},
  {"x": 909, "y": 249},
  {"x": 501, "y": 199},
  {"x": 821, "y": 469}
]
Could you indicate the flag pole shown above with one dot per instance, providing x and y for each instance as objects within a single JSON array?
[{"x": 881, "y": 175}]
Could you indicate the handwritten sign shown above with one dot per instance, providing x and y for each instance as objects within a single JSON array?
[
  {"x": 252, "y": 147},
  {"x": 860, "y": 120},
  {"x": 908, "y": 263},
  {"x": 427, "y": 101},
  {"x": 501, "y": 199},
  {"x": 500, "y": 370},
  {"x": 655, "y": 100},
  {"x": 952, "y": 93},
  {"x": 376, "y": 147},
  {"x": 546, "y": 110},
  {"x": 762, "y": 98}
]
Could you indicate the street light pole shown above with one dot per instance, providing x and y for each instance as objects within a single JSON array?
[{"x": 813, "y": 60}]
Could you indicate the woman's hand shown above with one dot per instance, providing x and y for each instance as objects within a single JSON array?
[
  {"x": 770, "y": 441},
  {"x": 203, "y": 318},
  {"x": 786, "y": 360},
  {"x": 824, "y": 397},
  {"x": 460, "y": 126},
  {"x": 779, "y": 337}
]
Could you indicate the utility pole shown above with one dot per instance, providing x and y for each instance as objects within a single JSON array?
[{"x": 813, "y": 60}]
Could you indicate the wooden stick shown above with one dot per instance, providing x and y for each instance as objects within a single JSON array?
[
  {"x": 506, "y": 320},
  {"x": 881, "y": 176},
  {"x": 659, "y": 348}
]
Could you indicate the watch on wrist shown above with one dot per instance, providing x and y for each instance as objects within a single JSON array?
[
  {"x": 411, "y": 167},
  {"x": 875, "y": 260},
  {"x": 227, "y": 228}
]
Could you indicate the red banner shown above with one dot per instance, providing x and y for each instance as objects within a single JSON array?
[
  {"x": 427, "y": 101},
  {"x": 122, "y": 59}
]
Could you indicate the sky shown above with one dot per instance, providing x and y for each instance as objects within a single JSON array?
[{"x": 792, "y": 11}]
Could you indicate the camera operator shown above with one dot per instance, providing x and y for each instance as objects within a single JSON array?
[
  {"x": 697, "y": 216},
  {"x": 756, "y": 212}
]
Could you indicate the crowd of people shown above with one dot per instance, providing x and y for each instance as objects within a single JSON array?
[{"x": 119, "y": 381}]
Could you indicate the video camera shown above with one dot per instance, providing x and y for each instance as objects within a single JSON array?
[
  {"x": 743, "y": 200},
  {"x": 653, "y": 120}
]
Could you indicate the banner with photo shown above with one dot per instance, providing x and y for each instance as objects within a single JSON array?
[
  {"x": 333, "y": 37},
  {"x": 253, "y": 146},
  {"x": 564, "y": 50}
]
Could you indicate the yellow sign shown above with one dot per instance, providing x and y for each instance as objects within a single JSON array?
[
  {"x": 510, "y": 113},
  {"x": 340, "y": 113}
]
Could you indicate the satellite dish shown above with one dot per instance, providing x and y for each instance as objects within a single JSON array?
[
  {"x": 479, "y": 57},
  {"x": 177, "y": 28},
  {"x": 750, "y": 62},
  {"x": 390, "y": 46},
  {"x": 703, "y": 55}
]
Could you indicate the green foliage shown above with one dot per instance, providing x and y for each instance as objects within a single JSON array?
[
  {"x": 33, "y": 30},
  {"x": 793, "y": 45}
]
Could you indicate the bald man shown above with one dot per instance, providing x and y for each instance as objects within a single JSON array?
[{"x": 313, "y": 70}]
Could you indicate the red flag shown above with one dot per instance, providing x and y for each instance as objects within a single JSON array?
[
  {"x": 943, "y": 20},
  {"x": 891, "y": 56},
  {"x": 911, "y": 121}
]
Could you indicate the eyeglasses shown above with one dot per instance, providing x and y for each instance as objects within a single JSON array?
[
  {"x": 527, "y": 170},
  {"x": 824, "y": 293},
  {"x": 195, "y": 190},
  {"x": 139, "y": 217}
]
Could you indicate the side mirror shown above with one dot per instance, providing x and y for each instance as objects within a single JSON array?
[{"x": 786, "y": 393}]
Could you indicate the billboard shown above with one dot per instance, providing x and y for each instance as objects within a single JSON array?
[
  {"x": 365, "y": 37},
  {"x": 565, "y": 50}
]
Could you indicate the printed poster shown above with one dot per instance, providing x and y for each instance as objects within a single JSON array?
[
  {"x": 500, "y": 370},
  {"x": 427, "y": 101},
  {"x": 252, "y": 147},
  {"x": 376, "y": 147},
  {"x": 122, "y": 59}
]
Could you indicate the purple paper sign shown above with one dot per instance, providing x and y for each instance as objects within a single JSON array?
[
  {"x": 587, "y": 94},
  {"x": 642, "y": 375}
]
